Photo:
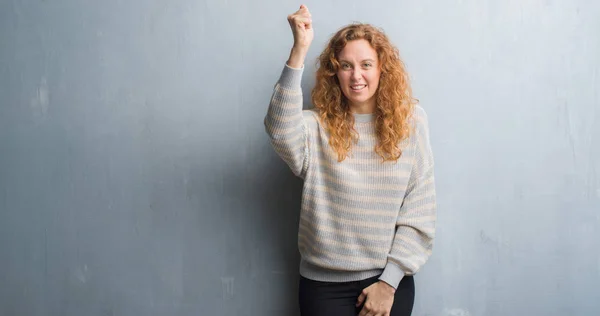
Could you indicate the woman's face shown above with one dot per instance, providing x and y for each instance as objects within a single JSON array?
[{"x": 358, "y": 75}]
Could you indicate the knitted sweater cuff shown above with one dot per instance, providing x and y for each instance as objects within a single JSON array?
[
  {"x": 291, "y": 77},
  {"x": 392, "y": 275}
]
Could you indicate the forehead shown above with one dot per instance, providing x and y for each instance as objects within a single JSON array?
[{"x": 358, "y": 50}]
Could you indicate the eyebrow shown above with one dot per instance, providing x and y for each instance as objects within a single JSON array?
[{"x": 362, "y": 61}]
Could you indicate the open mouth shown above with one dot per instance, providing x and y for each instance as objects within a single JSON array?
[{"x": 358, "y": 87}]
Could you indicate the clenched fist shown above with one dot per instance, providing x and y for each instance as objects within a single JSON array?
[
  {"x": 301, "y": 24},
  {"x": 302, "y": 28}
]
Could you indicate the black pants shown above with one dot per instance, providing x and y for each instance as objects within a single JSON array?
[{"x": 339, "y": 298}]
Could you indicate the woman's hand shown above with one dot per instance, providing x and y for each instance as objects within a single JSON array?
[
  {"x": 379, "y": 299},
  {"x": 301, "y": 24}
]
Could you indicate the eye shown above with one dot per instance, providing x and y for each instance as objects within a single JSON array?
[
  {"x": 345, "y": 66},
  {"x": 367, "y": 65}
]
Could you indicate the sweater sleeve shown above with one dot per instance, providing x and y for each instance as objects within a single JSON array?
[
  {"x": 284, "y": 121},
  {"x": 415, "y": 225}
]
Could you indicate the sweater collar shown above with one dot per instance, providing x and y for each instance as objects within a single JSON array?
[{"x": 363, "y": 118}]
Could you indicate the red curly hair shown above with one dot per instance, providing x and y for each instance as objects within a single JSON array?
[{"x": 394, "y": 100}]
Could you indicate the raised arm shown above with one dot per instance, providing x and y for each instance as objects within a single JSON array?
[{"x": 284, "y": 121}]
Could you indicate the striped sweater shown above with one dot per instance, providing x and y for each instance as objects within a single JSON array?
[{"x": 360, "y": 217}]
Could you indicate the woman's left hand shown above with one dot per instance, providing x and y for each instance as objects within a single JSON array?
[{"x": 379, "y": 299}]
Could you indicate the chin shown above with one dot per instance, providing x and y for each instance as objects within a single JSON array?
[{"x": 359, "y": 100}]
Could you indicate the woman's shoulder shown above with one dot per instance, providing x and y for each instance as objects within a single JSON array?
[
  {"x": 419, "y": 123},
  {"x": 419, "y": 112},
  {"x": 311, "y": 117}
]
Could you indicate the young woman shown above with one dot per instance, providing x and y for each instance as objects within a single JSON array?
[{"x": 368, "y": 210}]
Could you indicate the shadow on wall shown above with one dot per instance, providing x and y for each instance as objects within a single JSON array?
[
  {"x": 259, "y": 201},
  {"x": 269, "y": 194}
]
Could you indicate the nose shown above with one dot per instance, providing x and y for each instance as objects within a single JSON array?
[{"x": 356, "y": 75}]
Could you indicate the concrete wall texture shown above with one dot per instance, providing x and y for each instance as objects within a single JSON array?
[{"x": 136, "y": 177}]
